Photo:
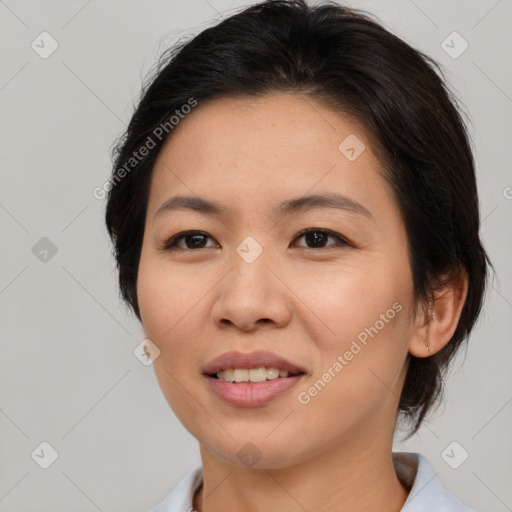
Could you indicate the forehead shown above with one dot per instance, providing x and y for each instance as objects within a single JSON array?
[
  {"x": 265, "y": 149},
  {"x": 277, "y": 126}
]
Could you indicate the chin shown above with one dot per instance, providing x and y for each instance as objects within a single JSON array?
[{"x": 254, "y": 451}]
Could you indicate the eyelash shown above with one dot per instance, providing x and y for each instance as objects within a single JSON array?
[{"x": 170, "y": 245}]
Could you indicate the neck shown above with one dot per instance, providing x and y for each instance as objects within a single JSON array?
[{"x": 342, "y": 479}]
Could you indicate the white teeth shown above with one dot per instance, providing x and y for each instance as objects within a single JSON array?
[
  {"x": 253, "y": 375},
  {"x": 228, "y": 375},
  {"x": 240, "y": 375},
  {"x": 257, "y": 374},
  {"x": 272, "y": 373}
]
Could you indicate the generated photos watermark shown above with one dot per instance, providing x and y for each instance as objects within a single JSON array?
[
  {"x": 305, "y": 397},
  {"x": 157, "y": 135}
]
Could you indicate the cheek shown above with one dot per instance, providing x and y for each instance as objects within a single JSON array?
[
  {"x": 166, "y": 303},
  {"x": 361, "y": 315},
  {"x": 348, "y": 300},
  {"x": 165, "y": 295}
]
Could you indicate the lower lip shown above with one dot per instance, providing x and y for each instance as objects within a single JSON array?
[{"x": 246, "y": 394}]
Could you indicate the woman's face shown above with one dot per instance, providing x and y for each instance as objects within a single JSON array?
[{"x": 249, "y": 281}]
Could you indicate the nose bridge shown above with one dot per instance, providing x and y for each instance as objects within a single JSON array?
[
  {"x": 251, "y": 291},
  {"x": 250, "y": 276}
]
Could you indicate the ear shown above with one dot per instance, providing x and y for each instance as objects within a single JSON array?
[{"x": 435, "y": 325}]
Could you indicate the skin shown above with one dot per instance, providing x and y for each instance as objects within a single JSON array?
[{"x": 302, "y": 302}]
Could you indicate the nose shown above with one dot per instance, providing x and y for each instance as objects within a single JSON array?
[{"x": 252, "y": 296}]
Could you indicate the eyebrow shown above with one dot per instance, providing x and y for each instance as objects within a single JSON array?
[{"x": 297, "y": 205}]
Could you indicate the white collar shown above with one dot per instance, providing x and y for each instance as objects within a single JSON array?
[{"x": 427, "y": 494}]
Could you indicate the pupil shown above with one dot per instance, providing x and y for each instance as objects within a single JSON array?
[
  {"x": 314, "y": 236},
  {"x": 197, "y": 238}
]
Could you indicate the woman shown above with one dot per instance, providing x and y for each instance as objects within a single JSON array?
[{"x": 295, "y": 221}]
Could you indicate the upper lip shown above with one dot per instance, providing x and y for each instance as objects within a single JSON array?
[{"x": 250, "y": 360}]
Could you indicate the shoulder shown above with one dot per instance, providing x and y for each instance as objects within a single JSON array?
[
  {"x": 427, "y": 493},
  {"x": 181, "y": 497}
]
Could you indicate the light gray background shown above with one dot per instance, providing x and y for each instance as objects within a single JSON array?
[{"x": 68, "y": 375}]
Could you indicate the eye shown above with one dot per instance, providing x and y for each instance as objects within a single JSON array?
[
  {"x": 196, "y": 239},
  {"x": 318, "y": 237}
]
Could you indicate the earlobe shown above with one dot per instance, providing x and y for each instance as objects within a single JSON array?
[
  {"x": 438, "y": 322},
  {"x": 420, "y": 343}
]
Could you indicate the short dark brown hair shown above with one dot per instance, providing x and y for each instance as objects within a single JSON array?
[{"x": 347, "y": 60}]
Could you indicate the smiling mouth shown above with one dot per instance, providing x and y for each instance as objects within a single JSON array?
[{"x": 252, "y": 375}]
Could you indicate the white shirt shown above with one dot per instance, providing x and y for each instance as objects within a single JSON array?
[{"x": 427, "y": 494}]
